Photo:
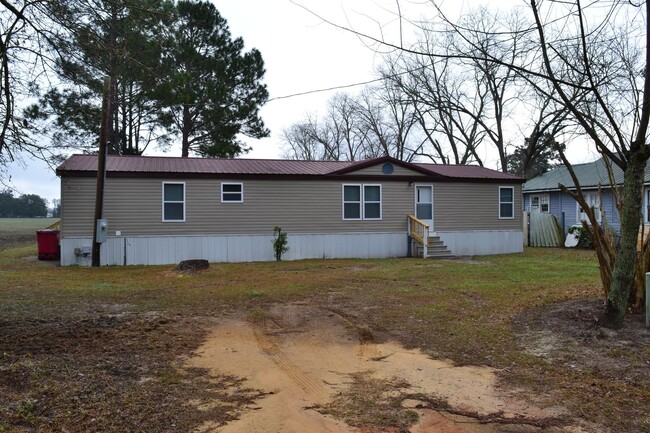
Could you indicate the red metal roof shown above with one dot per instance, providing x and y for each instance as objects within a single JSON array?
[
  {"x": 176, "y": 165},
  {"x": 157, "y": 164},
  {"x": 467, "y": 172}
]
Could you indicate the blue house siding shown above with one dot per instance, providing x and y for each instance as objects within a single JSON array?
[
  {"x": 591, "y": 176},
  {"x": 565, "y": 209},
  {"x": 646, "y": 204},
  {"x": 611, "y": 213},
  {"x": 563, "y": 206},
  {"x": 555, "y": 205}
]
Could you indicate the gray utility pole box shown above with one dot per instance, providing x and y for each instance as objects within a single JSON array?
[{"x": 102, "y": 228}]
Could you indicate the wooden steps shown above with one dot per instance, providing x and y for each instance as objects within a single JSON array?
[{"x": 436, "y": 249}]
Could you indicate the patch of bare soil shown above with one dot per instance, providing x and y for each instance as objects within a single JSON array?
[
  {"x": 471, "y": 261},
  {"x": 569, "y": 332},
  {"x": 320, "y": 268},
  {"x": 615, "y": 363},
  {"x": 11, "y": 240},
  {"x": 323, "y": 372},
  {"x": 110, "y": 371}
]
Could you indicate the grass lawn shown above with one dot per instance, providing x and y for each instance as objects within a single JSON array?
[
  {"x": 15, "y": 231},
  {"x": 24, "y": 226},
  {"x": 79, "y": 344}
]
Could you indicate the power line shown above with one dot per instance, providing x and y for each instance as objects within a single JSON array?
[
  {"x": 347, "y": 86},
  {"x": 329, "y": 89}
]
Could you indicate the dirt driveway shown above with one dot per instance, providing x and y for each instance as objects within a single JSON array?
[{"x": 321, "y": 372}]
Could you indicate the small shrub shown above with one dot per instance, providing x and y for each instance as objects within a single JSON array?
[{"x": 279, "y": 243}]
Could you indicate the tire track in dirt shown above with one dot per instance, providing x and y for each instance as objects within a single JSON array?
[
  {"x": 292, "y": 370},
  {"x": 367, "y": 343},
  {"x": 303, "y": 356},
  {"x": 367, "y": 350}
]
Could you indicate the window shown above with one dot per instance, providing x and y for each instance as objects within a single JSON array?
[
  {"x": 361, "y": 202},
  {"x": 593, "y": 201},
  {"x": 173, "y": 202},
  {"x": 506, "y": 202},
  {"x": 540, "y": 203},
  {"x": 424, "y": 203},
  {"x": 351, "y": 202},
  {"x": 232, "y": 192},
  {"x": 543, "y": 204},
  {"x": 371, "y": 202}
]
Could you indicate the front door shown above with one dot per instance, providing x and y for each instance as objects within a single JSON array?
[{"x": 424, "y": 204}]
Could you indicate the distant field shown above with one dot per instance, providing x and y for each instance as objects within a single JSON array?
[{"x": 15, "y": 231}]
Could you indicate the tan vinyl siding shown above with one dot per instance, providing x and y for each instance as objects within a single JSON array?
[
  {"x": 134, "y": 207},
  {"x": 376, "y": 171},
  {"x": 472, "y": 206},
  {"x": 77, "y": 205}
]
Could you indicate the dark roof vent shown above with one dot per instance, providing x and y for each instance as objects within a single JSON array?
[{"x": 387, "y": 168}]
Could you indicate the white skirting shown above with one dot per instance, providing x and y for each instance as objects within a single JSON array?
[
  {"x": 480, "y": 243},
  {"x": 160, "y": 250}
]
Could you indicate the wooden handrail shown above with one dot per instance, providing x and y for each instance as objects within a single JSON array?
[
  {"x": 418, "y": 221},
  {"x": 419, "y": 230},
  {"x": 54, "y": 226}
]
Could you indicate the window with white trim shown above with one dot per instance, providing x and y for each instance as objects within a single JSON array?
[
  {"x": 593, "y": 201},
  {"x": 372, "y": 202},
  {"x": 351, "y": 202},
  {"x": 506, "y": 202},
  {"x": 232, "y": 192},
  {"x": 540, "y": 203},
  {"x": 362, "y": 202},
  {"x": 173, "y": 202}
]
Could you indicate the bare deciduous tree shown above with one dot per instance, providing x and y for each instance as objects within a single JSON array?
[
  {"x": 23, "y": 33},
  {"x": 446, "y": 106},
  {"x": 598, "y": 65},
  {"x": 464, "y": 98},
  {"x": 596, "y": 61},
  {"x": 378, "y": 122},
  {"x": 302, "y": 140},
  {"x": 389, "y": 117}
]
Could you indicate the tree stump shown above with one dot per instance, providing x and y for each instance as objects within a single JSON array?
[{"x": 192, "y": 265}]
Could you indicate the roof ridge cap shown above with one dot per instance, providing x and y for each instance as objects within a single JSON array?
[{"x": 198, "y": 158}]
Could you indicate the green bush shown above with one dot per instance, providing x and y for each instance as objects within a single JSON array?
[{"x": 279, "y": 243}]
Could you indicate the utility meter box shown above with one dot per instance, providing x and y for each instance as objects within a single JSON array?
[{"x": 102, "y": 229}]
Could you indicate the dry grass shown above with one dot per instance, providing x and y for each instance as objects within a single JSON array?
[
  {"x": 24, "y": 226},
  {"x": 453, "y": 309},
  {"x": 373, "y": 403},
  {"x": 21, "y": 231}
]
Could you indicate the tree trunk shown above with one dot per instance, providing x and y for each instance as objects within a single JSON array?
[
  {"x": 187, "y": 127},
  {"x": 624, "y": 267},
  {"x": 115, "y": 114}
]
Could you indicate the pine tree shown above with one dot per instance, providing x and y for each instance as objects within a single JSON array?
[{"x": 211, "y": 88}]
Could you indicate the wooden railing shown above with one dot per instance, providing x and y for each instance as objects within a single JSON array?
[
  {"x": 55, "y": 226},
  {"x": 419, "y": 230}
]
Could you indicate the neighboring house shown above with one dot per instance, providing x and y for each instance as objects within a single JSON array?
[
  {"x": 542, "y": 194},
  {"x": 162, "y": 210}
]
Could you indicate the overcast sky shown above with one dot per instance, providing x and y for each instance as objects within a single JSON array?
[{"x": 301, "y": 54}]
